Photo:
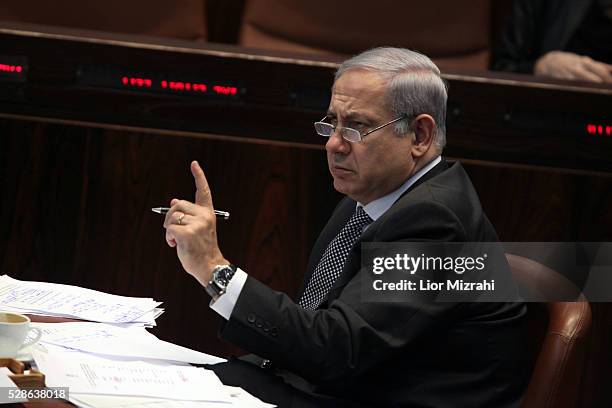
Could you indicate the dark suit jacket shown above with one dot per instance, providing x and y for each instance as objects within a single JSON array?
[
  {"x": 394, "y": 353},
  {"x": 535, "y": 28}
]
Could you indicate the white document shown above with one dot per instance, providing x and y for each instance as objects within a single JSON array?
[
  {"x": 5, "y": 384},
  {"x": 239, "y": 399},
  {"x": 112, "y": 401},
  {"x": 242, "y": 398},
  {"x": 4, "y": 373},
  {"x": 53, "y": 349},
  {"x": 72, "y": 301},
  {"x": 134, "y": 342},
  {"x": 87, "y": 374},
  {"x": 148, "y": 319}
]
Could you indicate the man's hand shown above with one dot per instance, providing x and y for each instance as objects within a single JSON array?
[
  {"x": 567, "y": 65},
  {"x": 192, "y": 229}
]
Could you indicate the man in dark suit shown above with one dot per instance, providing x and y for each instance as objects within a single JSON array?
[{"x": 385, "y": 130}]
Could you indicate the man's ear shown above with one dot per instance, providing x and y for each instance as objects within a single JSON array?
[{"x": 424, "y": 128}]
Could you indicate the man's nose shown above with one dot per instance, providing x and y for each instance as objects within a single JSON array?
[{"x": 337, "y": 144}]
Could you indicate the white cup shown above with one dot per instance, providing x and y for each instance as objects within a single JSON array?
[{"x": 14, "y": 329}]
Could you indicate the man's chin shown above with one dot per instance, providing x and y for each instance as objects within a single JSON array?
[{"x": 341, "y": 186}]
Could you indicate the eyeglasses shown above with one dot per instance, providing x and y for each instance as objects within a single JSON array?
[{"x": 348, "y": 134}]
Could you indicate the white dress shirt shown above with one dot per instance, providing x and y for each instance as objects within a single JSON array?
[{"x": 224, "y": 305}]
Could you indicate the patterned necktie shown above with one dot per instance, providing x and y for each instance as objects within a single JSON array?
[{"x": 331, "y": 263}]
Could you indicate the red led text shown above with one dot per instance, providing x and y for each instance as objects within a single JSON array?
[
  {"x": 599, "y": 130},
  {"x": 11, "y": 68}
]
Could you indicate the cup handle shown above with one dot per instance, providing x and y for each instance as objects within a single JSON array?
[{"x": 31, "y": 340}]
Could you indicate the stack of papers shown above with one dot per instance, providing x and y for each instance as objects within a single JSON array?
[
  {"x": 112, "y": 341},
  {"x": 112, "y": 361},
  {"x": 52, "y": 299},
  {"x": 88, "y": 374},
  {"x": 239, "y": 399},
  {"x": 106, "y": 382}
]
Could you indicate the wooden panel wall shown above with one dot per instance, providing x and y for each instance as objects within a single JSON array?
[
  {"x": 76, "y": 208},
  {"x": 75, "y": 204}
]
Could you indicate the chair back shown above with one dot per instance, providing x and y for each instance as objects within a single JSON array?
[
  {"x": 454, "y": 33},
  {"x": 184, "y": 19},
  {"x": 558, "y": 335}
]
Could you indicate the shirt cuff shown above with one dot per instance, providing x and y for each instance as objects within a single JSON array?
[{"x": 224, "y": 305}]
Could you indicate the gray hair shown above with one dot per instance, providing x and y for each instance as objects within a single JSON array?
[{"x": 414, "y": 85}]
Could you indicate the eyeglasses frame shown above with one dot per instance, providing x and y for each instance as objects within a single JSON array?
[{"x": 361, "y": 136}]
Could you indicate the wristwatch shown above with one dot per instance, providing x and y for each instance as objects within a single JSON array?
[{"x": 221, "y": 276}]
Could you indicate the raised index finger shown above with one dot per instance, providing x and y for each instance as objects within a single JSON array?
[{"x": 202, "y": 195}]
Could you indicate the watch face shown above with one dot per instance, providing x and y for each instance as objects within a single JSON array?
[{"x": 223, "y": 276}]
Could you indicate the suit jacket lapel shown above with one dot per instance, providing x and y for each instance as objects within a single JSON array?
[{"x": 354, "y": 256}]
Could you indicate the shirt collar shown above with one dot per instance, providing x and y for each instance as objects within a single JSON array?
[{"x": 375, "y": 209}]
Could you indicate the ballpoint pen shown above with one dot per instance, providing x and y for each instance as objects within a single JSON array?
[{"x": 163, "y": 210}]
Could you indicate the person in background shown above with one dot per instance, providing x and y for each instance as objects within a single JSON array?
[{"x": 562, "y": 39}]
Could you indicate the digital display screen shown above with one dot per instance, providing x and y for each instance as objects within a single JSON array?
[
  {"x": 13, "y": 68},
  {"x": 118, "y": 78},
  {"x": 599, "y": 129}
]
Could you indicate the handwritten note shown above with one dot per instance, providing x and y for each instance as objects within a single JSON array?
[{"x": 71, "y": 301}]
